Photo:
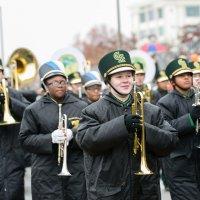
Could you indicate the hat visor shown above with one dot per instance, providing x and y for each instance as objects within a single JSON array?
[
  {"x": 92, "y": 82},
  {"x": 196, "y": 71},
  {"x": 54, "y": 74},
  {"x": 183, "y": 71},
  {"x": 121, "y": 69},
  {"x": 162, "y": 79},
  {"x": 75, "y": 81},
  {"x": 140, "y": 71}
]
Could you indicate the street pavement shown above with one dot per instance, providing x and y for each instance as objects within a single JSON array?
[{"x": 165, "y": 194}]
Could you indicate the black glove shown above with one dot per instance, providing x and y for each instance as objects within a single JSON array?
[
  {"x": 195, "y": 113},
  {"x": 2, "y": 98},
  {"x": 132, "y": 123}
]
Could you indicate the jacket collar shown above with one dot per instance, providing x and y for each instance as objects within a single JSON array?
[
  {"x": 109, "y": 97},
  {"x": 190, "y": 93},
  {"x": 69, "y": 98}
]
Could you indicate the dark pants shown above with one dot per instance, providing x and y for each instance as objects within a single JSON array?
[{"x": 182, "y": 175}]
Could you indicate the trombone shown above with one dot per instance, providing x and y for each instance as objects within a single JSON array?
[
  {"x": 138, "y": 108},
  {"x": 62, "y": 148},
  {"x": 7, "y": 117}
]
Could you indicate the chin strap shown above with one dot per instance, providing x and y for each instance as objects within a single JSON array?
[{"x": 115, "y": 89}]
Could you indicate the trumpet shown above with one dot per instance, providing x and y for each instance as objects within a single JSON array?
[
  {"x": 7, "y": 117},
  {"x": 147, "y": 92},
  {"x": 62, "y": 148},
  {"x": 138, "y": 108}
]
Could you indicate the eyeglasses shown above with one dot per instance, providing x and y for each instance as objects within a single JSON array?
[{"x": 57, "y": 83}]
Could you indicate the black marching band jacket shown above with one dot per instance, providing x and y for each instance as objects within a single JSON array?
[
  {"x": 182, "y": 167},
  {"x": 13, "y": 158},
  {"x": 40, "y": 120},
  {"x": 107, "y": 146}
]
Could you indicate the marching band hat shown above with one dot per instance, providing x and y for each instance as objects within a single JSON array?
[
  {"x": 74, "y": 78},
  {"x": 195, "y": 66},
  {"x": 139, "y": 68},
  {"x": 177, "y": 67},
  {"x": 115, "y": 61},
  {"x": 90, "y": 79},
  {"x": 161, "y": 77},
  {"x": 50, "y": 69}
]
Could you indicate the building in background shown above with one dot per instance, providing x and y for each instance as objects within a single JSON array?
[{"x": 166, "y": 19}]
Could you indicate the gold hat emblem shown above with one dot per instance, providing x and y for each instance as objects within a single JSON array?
[
  {"x": 119, "y": 57},
  {"x": 182, "y": 63}
]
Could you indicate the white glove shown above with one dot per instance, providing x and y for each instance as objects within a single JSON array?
[
  {"x": 69, "y": 136},
  {"x": 58, "y": 136}
]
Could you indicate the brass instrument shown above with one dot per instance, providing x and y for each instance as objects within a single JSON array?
[
  {"x": 62, "y": 148},
  {"x": 75, "y": 121},
  {"x": 23, "y": 65},
  {"x": 147, "y": 92},
  {"x": 7, "y": 117},
  {"x": 197, "y": 103},
  {"x": 137, "y": 108}
]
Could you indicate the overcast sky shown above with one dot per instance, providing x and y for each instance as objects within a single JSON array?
[{"x": 45, "y": 26}]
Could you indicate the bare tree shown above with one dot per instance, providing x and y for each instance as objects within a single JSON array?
[{"x": 99, "y": 41}]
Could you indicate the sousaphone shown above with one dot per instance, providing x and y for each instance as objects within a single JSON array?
[
  {"x": 23, "y": 65},
  {"x": 72, "y": 59},
  {"x": 147, "y": 61}
]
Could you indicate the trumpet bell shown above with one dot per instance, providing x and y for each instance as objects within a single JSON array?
[
  {"x": 64, "y": 173},
  {"x": 144, "y": 170},
  {"x": 8, "y": 120},
  {"x": 26, "y": 66}
]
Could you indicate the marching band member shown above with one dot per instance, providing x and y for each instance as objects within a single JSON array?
[
  {"x": 92, "y": 87},
  {"x": 181, "y": 167},
  {"x": 13, "y": 158},
  {"x": 106, "y": 135},
  {"x": 75, "y": 84},
  {"x": 41, "y": 136},
  {"x": 139, "y": 81},
  {"x": 163, "y": 87},
  {"x": 195, "y": 66}
]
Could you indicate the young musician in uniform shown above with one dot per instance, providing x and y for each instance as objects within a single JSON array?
[
  {"x": 41, "y": 135},
  {"x": 139, "y": 81},
  {"x": 106, "y": 134},
  {"x": 195, "y": 66},
  {"x": 181, "y": 167},
  {"x": 92, "y": 87},
  {"x": 75, "y": 84},
  {"x": 163, "y": 87},
  {"x": 13, "y": 158}
]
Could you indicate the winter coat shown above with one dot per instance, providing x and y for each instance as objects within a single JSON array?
[
  {"x": 157, "y": 94},
  {"x": 39, "y": 121},
  {"x": 182, "y": 167},
  {"x": 107, "y": 145},
  {"x": 13, "y": 158}
]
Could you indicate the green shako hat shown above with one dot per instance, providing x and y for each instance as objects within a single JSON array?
[
  {"x": 195, "y": 66},
  {"x": 139, "y": 68},
  {"x": 113, "y": 62},
  {"x": 176, "y": 67}
]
